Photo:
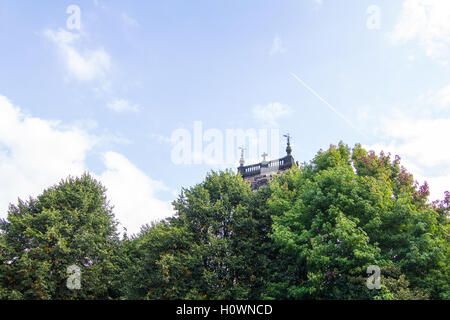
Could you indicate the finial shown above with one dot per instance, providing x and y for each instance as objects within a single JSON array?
[
  {"x": 242, "y": 161},
  {"x": 288, "y": 148},
  {"x": 264, "y": 155}
]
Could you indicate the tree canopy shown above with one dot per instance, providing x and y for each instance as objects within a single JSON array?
[
  {"x": 70, "y": 224},
  {"x": 311, "y": 233}
]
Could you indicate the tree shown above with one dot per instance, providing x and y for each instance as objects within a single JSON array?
[
  {"x": 310, "y": 234},
  {"x": 214, "y": 248},
  {"x": 70, "y": 224},
  {"x": 161, "y": 263},
  {"x": 347, "y": 210}
]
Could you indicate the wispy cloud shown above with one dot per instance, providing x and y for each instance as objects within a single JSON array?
[
  {"x": 89, "y": 65},
  {"x": 271, "y": 113},
  {"x": 82, "y": 63},
  {"x": 428, "y": 23},
  {"x": 123, "y": 105}
]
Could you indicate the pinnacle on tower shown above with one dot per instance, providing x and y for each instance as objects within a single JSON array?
[
  {"x": 242, "y": 161},
  {"x": 288, "y": 148}
]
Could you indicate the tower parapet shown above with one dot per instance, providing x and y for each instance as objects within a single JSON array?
[{"x": 258, "y": 174}]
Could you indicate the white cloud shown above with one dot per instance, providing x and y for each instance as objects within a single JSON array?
[
  {"x": 82, "y": 64},
  {"x": 422, "y": 145},
  {"x": 277, "y": 46},
  {"x": 420, "y": 139},
  {"x": 271, "y": 113},
  {"x": 133, "y": 193},
  {"x": 428, "y": 23},
  {"x": 122, "y": 105},
  {"x": 37, "y": 153},
  {"x": 87, "y": 65}
]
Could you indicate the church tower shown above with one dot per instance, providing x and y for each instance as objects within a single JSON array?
[{"x": 260, "y": 173}]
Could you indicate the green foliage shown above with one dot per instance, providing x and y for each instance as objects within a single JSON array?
[
  {"x": 69, "y": 224},
  {"x": 310, "y": 234},
  {"x": 347, "y": 210},
  {"x": 212, "y": 249}
]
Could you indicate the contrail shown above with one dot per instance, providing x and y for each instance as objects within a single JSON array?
[{"x": 327, "y": 104}]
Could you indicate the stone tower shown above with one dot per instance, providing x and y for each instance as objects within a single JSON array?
[{"x": 258, "y": 174}]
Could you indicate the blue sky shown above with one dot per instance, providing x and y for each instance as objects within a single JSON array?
[{"x": 108, "y": 97}]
